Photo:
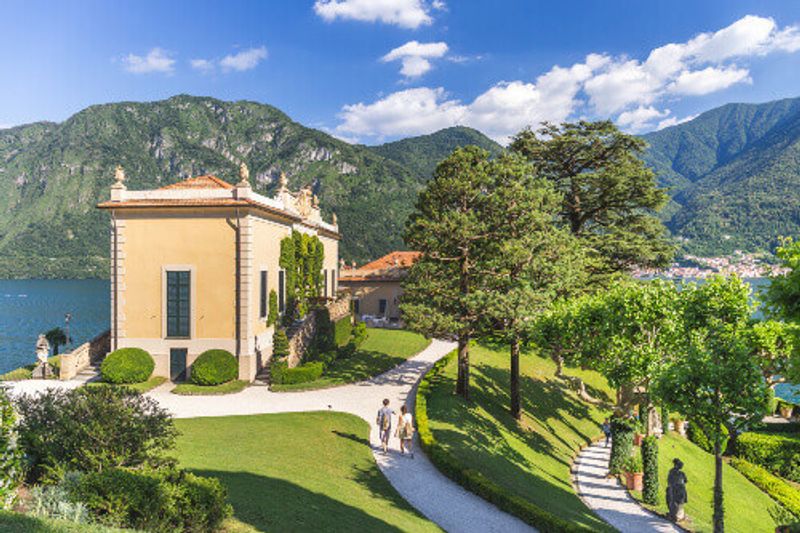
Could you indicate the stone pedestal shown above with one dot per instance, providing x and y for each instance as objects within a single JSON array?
[{"x": 42, "y": 371}]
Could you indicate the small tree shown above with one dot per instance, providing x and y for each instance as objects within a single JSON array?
[
  {"x": 272, "y": 315},
  {"x": 280, "y": 344},
  {"x": 716, "y": 379},
  {"x": 56, "y": 337},
  {"x": 650, "y": 469},
  {"x": 782, "y": 296},
  {"x": 446, "y": 226}
]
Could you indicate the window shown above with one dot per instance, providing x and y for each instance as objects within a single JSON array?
[
  {"x": 281, "y": 289},
  {"x": 357, "y": 306},
  {"x": 382, "y": 307},
  {"x": 178, "y": 303},
  {"x": 262, "y": 306},
  {"x": 325, "y": 276}
]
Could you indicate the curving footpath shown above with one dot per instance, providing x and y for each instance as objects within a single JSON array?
[{"x": 608, "y": 499}]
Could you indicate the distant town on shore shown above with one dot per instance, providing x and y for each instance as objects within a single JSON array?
[{"x": 743, "y": 264}]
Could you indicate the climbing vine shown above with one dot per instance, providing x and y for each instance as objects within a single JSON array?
[{"x": 302, "y": 256}]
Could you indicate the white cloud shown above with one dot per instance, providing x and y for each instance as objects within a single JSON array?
[
  {"x": 203, "y": 65},
  {"x": 244, "y": 60},
  {"x": 709, "y": 80},
  {"x": 414, "y": 57},
  {"x": 632, "y": 91},
  {"x": 156, "y": 60},
  {"x": 640, "y": 118},
  {"x": 404, "y": 13},
  {"x": 674, "y": 121}
]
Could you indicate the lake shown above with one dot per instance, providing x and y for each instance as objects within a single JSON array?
[{"x": 30, "y": 307}]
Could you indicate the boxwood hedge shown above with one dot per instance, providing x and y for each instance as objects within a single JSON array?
[
  {"x": 127, "y": 365},
  {"x": 780, "y": 454},
  {"x": 214, "y": 367}
]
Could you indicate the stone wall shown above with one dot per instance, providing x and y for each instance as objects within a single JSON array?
[
  {"x": 84, "y": 355},
  {"x": 303, "y": 336}
]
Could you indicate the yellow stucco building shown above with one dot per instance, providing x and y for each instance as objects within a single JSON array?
[{"x": 192, "y": 265}]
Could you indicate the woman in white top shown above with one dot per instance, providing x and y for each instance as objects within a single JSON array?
[{"x": 405, "y": 430}]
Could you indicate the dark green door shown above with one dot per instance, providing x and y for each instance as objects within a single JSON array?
[{"x": 177, "y": 363}]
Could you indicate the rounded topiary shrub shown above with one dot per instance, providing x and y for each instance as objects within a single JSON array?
[
  {"x": 127, "y": 365},
  {"x": 214, "y": 367}
]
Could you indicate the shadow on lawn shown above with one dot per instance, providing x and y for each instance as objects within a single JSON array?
[
  {"x": 271, "y": 504},
  {"x": 362, "y": 365}
]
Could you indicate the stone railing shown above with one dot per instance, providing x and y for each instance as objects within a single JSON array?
[
  {"x": 303, "y": 334},
  {"x": 84, "y": 355}
]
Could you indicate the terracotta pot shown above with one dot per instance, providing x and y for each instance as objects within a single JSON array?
[
  {"x": 634, "y": 480},
  {"x": 786, "y": 411},
  {"x": 637, "y": 439}
]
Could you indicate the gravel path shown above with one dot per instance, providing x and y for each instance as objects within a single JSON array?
[{"x": 606, "y": 497}]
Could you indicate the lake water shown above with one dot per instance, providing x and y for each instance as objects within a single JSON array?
[{"x": 30, "y": 307}]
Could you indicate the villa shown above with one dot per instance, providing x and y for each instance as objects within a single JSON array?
[
  {"x": 193, "y": 263},
  {"x": 375, "y": 288}
]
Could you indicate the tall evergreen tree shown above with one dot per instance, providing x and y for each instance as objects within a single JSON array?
[
  {"x": 447, "y": 227},
  {"x": 610, "y": 196},
  {"x": 529, "y": 262}
]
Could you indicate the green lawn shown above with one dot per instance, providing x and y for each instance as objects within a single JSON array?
[
  {"x": 26, "y": 372},
  {"x": 296, "y": 472},
  {"x": 19, "y": 523},
  {"x": 531, "y": 459},
  {"x": 191, "y": 389},
  {"x": 142, "y": 387},
  {"x": 383, "y": 350},
  {"x": 746, "y": 506}
]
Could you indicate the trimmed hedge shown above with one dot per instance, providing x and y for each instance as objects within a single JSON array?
[
  {"x": 281, "y": 374},
  {"x": 778, "y": 489},
  {"x": 360, "y": 333},
  {"x": 214, "y": 367},
  {"x": 162, "y": 500},
  {"x": 342, "y": 331},
  {"x": 280, "y": 344},
  {"x": 697, "y": 436},
  {"x": 650, "y": 467},
  {"x": 474, "y": 481},
  {"x": 127, "y": 365},
  {"x": 622, "y": 431},
  {"x": 780, "y": 454}
]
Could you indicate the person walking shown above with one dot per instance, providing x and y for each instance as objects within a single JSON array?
[
  {"x": 607, "y": 431},
  {"x": 384, "y": 422},
  {"x": 405, "y": 430}
]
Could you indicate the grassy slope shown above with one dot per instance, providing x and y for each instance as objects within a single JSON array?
[
  {"x": 297, "y": 472},
  {"x": 533, "y": 462},
  {"x": 190, "y": 389},
  {"x": 746, "y": 507},
  {"x": 381, "y": 351}
]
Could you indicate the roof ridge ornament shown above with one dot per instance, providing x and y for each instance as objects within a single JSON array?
[
  {"x": 244, "y": 175},
  {"x": 119, "y": 175}
]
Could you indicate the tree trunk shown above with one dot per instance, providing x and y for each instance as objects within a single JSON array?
[
  {"x": 719, "y": 513},
  {"x": 559, "y": 365},
  {"x": 515, "y": 400},
  {"x": 462, "y": 383}
]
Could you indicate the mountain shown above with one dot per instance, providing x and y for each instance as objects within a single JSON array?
[
  {"x": 52, "y": 175},
  {"x": 734, "y": 173},
  {"x": 422, "y": 154}
]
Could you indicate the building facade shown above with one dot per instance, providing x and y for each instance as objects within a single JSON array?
[
  {"x": 193, "y": 263},
  {"x": 375, "y": 288}
]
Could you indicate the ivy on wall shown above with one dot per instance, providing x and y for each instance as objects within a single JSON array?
[{"x": 302, "y": 257}]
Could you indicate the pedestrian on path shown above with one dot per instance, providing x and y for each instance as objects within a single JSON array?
[
  {"x": 405, "y": 430},
  {"x": 607, "y": 431},
  {"x": 384, "y": 422}
]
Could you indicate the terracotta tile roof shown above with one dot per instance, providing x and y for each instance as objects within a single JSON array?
[
  {"x": 199, "y": 182},
  {"x": 391, "y": 267}
]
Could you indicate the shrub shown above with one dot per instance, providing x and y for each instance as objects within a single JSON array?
[
  {"x": 360, "y": 333},
  {"x": 632, "y": 464},
  {"x": 471, "y": 479},
  {"x": 272, "y": 315},
  {"x": 214, "y": 367},
  {"x": 778, "y": 489},
  {"x": 323, "y": 337},
  {"x": 697, "y": 436},
  {"x": 127, "y": 365},
  {"x": 10, "y": 453},
  {"x": 280, "y": 344},
  {"x": 650, "y": 467},
  {"x": 277, "y": 369},
  {"x": 91, "y": 429},
  {"x": 55, "y": 501},
  {"x": 299, "y": 374},
  {"x": 347, "y": 351},
  {"x": 622, "y": 431},
  {"x": 342, "y": 331},
  {"x": 154, "y": 500},
  {"x": 780, "y": 454}
]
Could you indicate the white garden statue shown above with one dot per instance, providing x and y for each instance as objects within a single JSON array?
[{"x": 42, "y": 370}]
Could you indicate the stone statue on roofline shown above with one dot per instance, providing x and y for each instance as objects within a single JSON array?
[
  {"x": 244, "y": 174},
  {"x": 42, "y": 369}
]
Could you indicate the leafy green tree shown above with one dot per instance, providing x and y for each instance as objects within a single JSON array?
[
  {"x": 272, "y": 314},
  {"x": 610, "y": 196},
  {"x": 448, "y": 229},
  {"x": 774, "y": 343},
  {"x": 56, "y": 337},
  {"x": 529, "y": 263},
  {"x": 715, "y": 379}
]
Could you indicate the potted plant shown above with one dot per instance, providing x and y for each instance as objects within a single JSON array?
[
  {"x": 679, "y": 425},
  {"x": 638, "y": 436},
  {"x": 786, "y": 410},
  {"x": 632, "y": 467}
]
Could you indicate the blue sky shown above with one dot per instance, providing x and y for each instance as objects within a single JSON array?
[{"x": 376, "y": 70}]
